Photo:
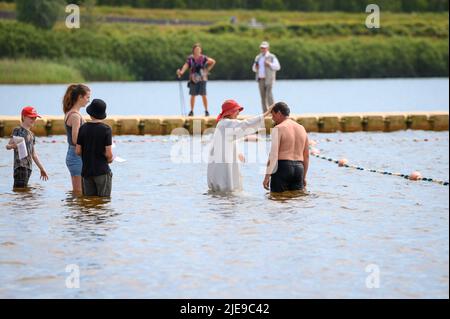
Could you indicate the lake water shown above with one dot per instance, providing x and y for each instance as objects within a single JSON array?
[
  {"x": 304, "y": 96},
  {"x": 162, "y": 235}
]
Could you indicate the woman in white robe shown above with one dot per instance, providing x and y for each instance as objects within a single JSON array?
[{"x": 223, "y": 165}]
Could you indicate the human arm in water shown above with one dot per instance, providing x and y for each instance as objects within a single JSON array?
[
  {"x": 273, "y": 157},
  {"x": 36, "y": 159},
  {"x": 305, "y": 159}
]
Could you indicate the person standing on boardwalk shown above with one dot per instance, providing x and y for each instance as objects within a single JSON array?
[
  {"x": 223, "y": 164},
  {"x": 77, "y": 96},
  {"x": 266, "y": 66},
  {"x": 199, "y": 66},
  {"x": 289, "y": 155}
]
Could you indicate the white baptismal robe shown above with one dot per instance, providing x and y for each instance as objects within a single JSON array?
[{"x": 223, "y": 165}]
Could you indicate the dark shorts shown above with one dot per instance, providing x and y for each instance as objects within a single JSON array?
[
  {"x": 21, "y": 177},
  {"x": 198, "y": 88},
  {"x": 288, "y": 177},
  {"x": 98, "y": 185}
]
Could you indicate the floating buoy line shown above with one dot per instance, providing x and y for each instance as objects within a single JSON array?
[{"x": 414, "y": 176}]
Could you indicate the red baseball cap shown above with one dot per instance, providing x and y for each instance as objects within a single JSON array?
[
  {"x": 30, "y": 111},
  {"x": 229, "y": 107}
]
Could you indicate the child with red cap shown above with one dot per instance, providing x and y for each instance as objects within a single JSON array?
[{"x": 23, "y": 161}]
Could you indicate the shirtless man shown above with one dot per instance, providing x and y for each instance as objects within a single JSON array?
[{"x": 289, "y": 155}]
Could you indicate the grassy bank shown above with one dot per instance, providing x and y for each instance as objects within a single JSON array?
[
  {"x": 40, "y": 71},
  {"x": 25, "y": 71},
  {"x": 309, "y": 45}
]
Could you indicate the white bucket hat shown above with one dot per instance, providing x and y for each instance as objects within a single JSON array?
[{"x": 264, "y": 45}]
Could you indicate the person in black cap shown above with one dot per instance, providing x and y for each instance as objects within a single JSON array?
[{"x": 94, "y": 145}]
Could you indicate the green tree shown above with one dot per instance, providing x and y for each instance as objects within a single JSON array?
[
  {"x": 273, "y": 5},
  {"x": 41, "y": 13},
  {"x": 414, "y": 5}
]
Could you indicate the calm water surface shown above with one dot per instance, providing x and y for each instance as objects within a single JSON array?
[
  {"x": 304, "y": 96},
  {"x": 162, "y": 235}
]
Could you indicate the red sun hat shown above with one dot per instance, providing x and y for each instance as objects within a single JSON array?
[
  {"x": 30, "y": 111},
  {"x": 229, "y": 107}
]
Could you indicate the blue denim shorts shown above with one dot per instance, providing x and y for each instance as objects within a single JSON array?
[{"x": 73, "y": 162}]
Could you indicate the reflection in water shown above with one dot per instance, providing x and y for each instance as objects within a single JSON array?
[
  {"x": 287, "y": 196},
  {"x": 222, "y": 195},
  {"x": 225, "y": 203},
  {"x": 229, "y": 202},
  {"x": 88, "y": 213},
  {"x": 87, "y": 204},
  {"x": 24, "y": 190},
  {"x": 30, "y": 190},
  {"x": 25, "y": 199}
]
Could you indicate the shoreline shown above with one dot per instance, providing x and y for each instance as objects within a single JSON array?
[{"x": 400, "y": 78}]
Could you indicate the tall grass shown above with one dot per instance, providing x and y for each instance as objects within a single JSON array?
[
  {"x": 26, "y": 71},
  {"x": 101, "y": 70},
  {"x": 36, "y": 71}
]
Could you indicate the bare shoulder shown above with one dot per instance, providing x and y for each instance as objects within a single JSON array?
[
  {"x": 297, "y": 126},
  {"x": 71, "y": 116},
  {"x": 295, "y": 123}
]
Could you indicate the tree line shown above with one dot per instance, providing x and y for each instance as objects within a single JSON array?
[{"x": 296, "y": 5}]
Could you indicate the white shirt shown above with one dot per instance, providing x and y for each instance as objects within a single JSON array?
[
  {"x": 275, "y": 65},
  {"x": 262, "y": 67},
  {"x": 223, "y": 165}
]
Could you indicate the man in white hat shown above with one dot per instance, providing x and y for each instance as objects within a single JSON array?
[{"x": 266, "y": 66}]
